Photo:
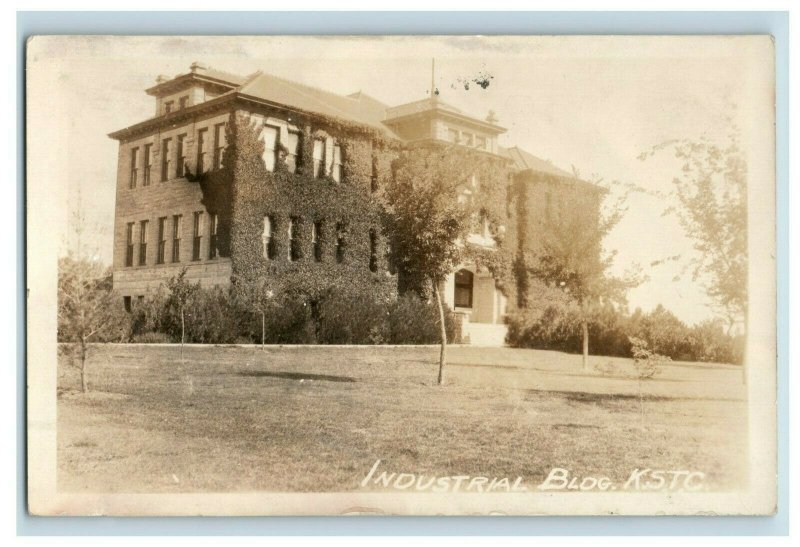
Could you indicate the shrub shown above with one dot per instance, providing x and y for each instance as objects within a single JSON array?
[
  {"x": 413, "y": 320},
  {"x": 352, "y": 319},
  {"x": 151, "y": 338}
]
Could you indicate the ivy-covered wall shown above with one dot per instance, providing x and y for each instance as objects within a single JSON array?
[{"x": 244, "y": 192}]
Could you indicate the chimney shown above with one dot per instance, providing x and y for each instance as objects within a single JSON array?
[{"x": 195, "y": 66}]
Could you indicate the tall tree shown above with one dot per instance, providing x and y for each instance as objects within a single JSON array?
[
  {"x": 428, "y": 220},
  {"x": 87, "y": 309},
  {"x": 709, "y": 198},
  {"x": 571, "y": 255}
]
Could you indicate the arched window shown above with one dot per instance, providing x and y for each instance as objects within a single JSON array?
[
  {"x": 266, "y": 238},
  {"x": 463, "y": 291}
]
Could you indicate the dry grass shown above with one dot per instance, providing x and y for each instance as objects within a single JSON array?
[{"x": 316, "y": 419}]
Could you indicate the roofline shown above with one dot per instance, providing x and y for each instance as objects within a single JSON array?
[
  {"x": 461, "y": 117},
  {"x": 562, "y": 178},
  {"x": 222, "y": 99},
  {"x": 187, "y": 77}
]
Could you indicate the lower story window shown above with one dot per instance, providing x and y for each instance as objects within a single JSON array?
[{"x": 463, "y": 290}]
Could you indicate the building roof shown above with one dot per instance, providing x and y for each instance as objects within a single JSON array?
[
  {"x": 357, "y": 107},
  {"x": 524, "y": 160}
]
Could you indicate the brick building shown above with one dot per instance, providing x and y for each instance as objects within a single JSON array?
[{"x": 328, "y": 154}]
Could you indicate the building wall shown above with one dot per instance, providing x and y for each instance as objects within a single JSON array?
[{"x": 163, "y": 198}]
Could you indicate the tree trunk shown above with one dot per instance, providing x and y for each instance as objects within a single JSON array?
[
  {"x": 443, "y": 349},
  {"x": 585, "y": 330},
  {"x": 263, "y": 331},
  {"x": 84, "y": 377},
  {"x": 183, "y": 328}
]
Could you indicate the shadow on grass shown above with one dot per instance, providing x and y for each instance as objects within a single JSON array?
[
  {"x": 601, "y": 398},
  {"x": 295, "y": 376}
]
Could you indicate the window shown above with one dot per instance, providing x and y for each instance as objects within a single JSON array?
[
  {"x": 183, "y": 102},
  {"x": 294, "y": 243},
  {"x": 468, "y": 139},
  {"x": 337, "y": 163},
  {"x": 452, "y": 135},
  {"x": 319, "y": 157},
  {"x": 270, "y": 146},
  {"x": 143, "y": 243},
  {"x": 129, "y": 244},
  {"x": 197, "y": 235},
  {"x": 162, "y": 240},
  {"x": 168, "y": 106},
  {"x": 134, "y": 167},
  {"x": 480, "y": 142},
  {"x": 126, "y": 301},
  {"x": 213, "y": 222},
  {"x": 390, "y": 260},
  {"x": 374, "y": 179},
  {"x": 176, "y": 237},
  {"x": 292, "y": 145},
  {"x": 316, "y": 240},
  {"x": 463, "y": 290},
  {"x": 373, "y": 251},
  {"x": 202, "y": 140},
  {"x": 148, "y": 164},
  {"x": 266, "y": 238},
  {"x": 180, "y": 156},
  {"x": 166, "y": 148},
  {"x": 340, "y": 242},
  {"x": 219, "y": 144}
]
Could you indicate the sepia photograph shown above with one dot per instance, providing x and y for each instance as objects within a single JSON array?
[{"x": 401, "y": 275}]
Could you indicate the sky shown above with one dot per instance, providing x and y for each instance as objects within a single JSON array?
[{"x": 589, "y": 103}]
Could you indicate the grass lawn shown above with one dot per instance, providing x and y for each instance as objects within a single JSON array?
[{"x": 316, "y": 419}]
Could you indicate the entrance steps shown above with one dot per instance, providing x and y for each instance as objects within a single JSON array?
[{"x": 485, "y": 334}]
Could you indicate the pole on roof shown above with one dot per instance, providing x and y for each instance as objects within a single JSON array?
[{"x": 433, "y": 65}]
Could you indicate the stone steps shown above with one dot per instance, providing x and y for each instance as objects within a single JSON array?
[{"x": 486, "y": 334}]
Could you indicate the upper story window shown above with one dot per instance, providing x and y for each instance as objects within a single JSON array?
[
  {"x": 180, "y": 156},
  {"x": 134, "y": 167},
  {"x": 197, "y": 235},
  {"x": 270, "y": 134},
  {"x": 452, "y": 135},
  {"x": 148, "y": 164},
  {"x": 202, "y": 152},
  {"x": 267, "y": 241},
  {"x": 480, "y": 142},
  {"x": 183, "y": 102},
  {"x": 319, "y": 157},
  {"x": 468, "y": 138},
  {"x": 336, "y": 171},
  {"x": 213, "y": 226},
  {"x": 143, "y": 243},
  {"x": 177, "y": 221},
  {"x": 162, "y": 240},
  {"x": 166, "y": 151},
  {"x": 292, "y": 145},
  {"x": 168, "y": 106},
  {"x": 219, "y": 144},
  {"x": 129, "y": 244},
  {"x": 373, "y": 186}
]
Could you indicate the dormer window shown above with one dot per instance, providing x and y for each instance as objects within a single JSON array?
[
  {"x": 168, "y": 106},
  {"x": 183, "y": 102}
]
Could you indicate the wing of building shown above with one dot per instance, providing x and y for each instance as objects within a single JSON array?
[{"x": 318, "y": 222}]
